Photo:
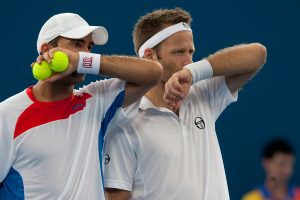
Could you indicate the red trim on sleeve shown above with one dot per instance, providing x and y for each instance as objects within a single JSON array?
[{"x": 40, "y": 113}]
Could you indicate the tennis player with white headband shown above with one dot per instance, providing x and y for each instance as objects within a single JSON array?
[
  {"x": 162, "y": 35},
  {"x": 170, "y": 149}
]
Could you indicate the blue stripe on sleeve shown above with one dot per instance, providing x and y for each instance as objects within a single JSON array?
[{"x": 117, "y": 103}]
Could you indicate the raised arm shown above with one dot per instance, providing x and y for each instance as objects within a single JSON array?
[
  {"x": 238, "y": 63},
  {"x": 140, "y": 74}
]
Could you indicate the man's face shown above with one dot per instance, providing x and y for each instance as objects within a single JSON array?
[
  {"x": 84, "y": 44},
  {"x": 175, "y": 52},
  {"x": 280, "y": 167}
]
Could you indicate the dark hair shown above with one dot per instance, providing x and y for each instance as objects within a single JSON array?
[
  {"x": 278, "y": 145},
  {"x": 153, "y": 22},
  {"x": 54, "y": 42}
]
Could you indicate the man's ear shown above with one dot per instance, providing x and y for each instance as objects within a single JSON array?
[
  {"x": 150, "y": 54},
  {"x": 45, "y": 47}
]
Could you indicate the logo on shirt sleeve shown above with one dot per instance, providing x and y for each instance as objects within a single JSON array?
[
  {"x": 199, "y": 122},
  {"x": 106, "y": 159}
]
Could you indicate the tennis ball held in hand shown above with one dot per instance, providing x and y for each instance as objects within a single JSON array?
[
  {"x": 59, "y": 62},
  {"x": 41, "y": 71}
]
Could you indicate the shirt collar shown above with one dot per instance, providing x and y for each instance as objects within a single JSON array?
[{"x": 146, "y": 104}]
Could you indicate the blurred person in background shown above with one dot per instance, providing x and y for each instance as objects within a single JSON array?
[{"x": 278, "y": 159}]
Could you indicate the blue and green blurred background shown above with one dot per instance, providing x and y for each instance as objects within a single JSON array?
[{"x": 268, "y": 106}]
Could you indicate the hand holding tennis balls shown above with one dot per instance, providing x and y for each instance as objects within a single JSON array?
[{"x": 59, "y": 63}]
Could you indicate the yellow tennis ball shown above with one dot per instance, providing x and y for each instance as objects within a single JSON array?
[
  {"x": 41, "y": 71},
  {"x": 59, "y": 62}
]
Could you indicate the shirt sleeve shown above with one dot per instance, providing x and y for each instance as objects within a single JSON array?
[
  {"x": 6, "y": 149},
  {"x": 219, "y": 95},
  {"x": 119, "y": 161},
  {"x": 110, "y": 94}
]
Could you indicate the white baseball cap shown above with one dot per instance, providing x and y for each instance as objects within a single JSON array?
[{"x": 71, "y": 26}]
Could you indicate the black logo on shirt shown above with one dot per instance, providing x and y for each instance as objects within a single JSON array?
[
  {"x": 106, "y": 159},
  {"x": 199, "y": 122}
]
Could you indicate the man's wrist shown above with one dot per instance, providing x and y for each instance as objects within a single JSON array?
[
  {"x": 190, "y": 75},
  {"x": 88, "y": 63},
  {"x": 200, "y": 70}
]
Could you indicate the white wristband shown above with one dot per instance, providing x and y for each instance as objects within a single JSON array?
[
  {"x": 89, "y": 63},
  {"x": 200, "y": 70}
]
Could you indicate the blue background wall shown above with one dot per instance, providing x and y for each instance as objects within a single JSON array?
[{"x": 268, "y": 106}]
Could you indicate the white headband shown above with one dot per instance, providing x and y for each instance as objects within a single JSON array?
[{"x": 162, "y": 35}]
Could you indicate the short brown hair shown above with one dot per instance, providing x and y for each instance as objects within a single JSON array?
[
  {"x": 54, "y": 42},
  {"x": 153, "y": 22}
]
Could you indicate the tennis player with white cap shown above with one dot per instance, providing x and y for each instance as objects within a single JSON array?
[
  {"x": 170, "y": 150},
  {"x": 51, "y": 135}
]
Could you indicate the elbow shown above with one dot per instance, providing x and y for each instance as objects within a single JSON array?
[{"x": 261, "y": 55}]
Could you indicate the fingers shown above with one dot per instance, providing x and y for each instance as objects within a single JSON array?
[
  {"x": 173, "y": 89},
  {"x": 39, "y": 59},
  {"x": 174, "y": 105},
  {"x": 51, "y": 51},
  {"x": 175, "y": 85},
  {"x": 47, "y": 56},
  {"x": 173, "y": 95},
  {"x": 72, "y": 56},
  {"x": 169, "y": 102},
  {"x": 176, "y": 89}
]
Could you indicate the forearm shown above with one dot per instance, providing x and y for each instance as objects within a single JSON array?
[
  {"x": 137, "y": 71},
  {"x": 238, "y": 64},
  {"x": 240, "y": 59},
  {"x": 133, "y": 70}
]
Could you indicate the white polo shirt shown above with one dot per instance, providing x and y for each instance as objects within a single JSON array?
[
  {"x": 52, "y": 150},
  {"x": 162, "y": 156}
]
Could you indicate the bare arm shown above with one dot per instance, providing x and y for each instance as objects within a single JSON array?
[
  {"x": 140, "y": 74},
  {"x": 238, "y": 63},
  {"x": 116, "y": 194}
]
